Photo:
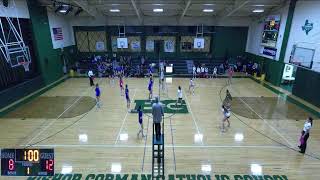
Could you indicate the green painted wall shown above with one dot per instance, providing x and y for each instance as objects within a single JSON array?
[
  {"x": 273, "y": 69},
  {"x": 229, "y": 41},
  {"x": 225, "y": 41},
  {"x": 48, "y": 59},
  {"x": 307, "y": 85}
]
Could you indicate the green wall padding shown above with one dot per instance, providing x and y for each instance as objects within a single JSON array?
[
  {"x": 307, "y": 86},
  {"x": 229, "y": 41},
  {"x": 48, "y": 59},
  {"x": 273, "y": 69}
]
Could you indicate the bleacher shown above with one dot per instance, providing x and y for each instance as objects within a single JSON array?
[{"x": 181, "y": 67}]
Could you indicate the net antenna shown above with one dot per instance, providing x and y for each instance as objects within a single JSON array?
[{"x": 12, "y": 45}]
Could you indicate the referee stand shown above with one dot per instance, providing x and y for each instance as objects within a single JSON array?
[{"x": 158, "y": 153}]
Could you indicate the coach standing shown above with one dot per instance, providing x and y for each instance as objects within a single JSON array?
[{"x": 157, "y": 114}]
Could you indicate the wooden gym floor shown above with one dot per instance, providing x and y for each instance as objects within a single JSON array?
[{"x": 262, "y": 139}]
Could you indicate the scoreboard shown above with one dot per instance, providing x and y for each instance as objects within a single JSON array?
[{"x": 27, "y": 162}]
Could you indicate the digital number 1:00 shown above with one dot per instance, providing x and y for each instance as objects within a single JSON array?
[{"x": 31, "y": 155}]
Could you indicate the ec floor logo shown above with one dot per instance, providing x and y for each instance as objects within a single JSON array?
[{"x": 169, "y": 106}]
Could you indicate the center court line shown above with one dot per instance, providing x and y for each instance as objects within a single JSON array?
[
  {"x": 124, "y": 119},
  {"x": 192, "y": 115},
  {"x": 149, "y": 146},
  {"x": 274, "y": 129},
  {"x": 145, "y": 145},
  {"x": 53, "y": 121},
  {"x": 173, "y": 151}
]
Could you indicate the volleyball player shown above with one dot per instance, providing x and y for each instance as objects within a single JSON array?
[
  {"x": 121, "y": 85},
  {"x": 230, "y": 74},
  {"x": 140, "y": 118},
  {"x": 194, "y": 72},
  {"x": 162, "y": 80},
  {"x": 179, "y": 96},
  {"x": 191, "y": 86},
  {"x": 227, "y": 100},
  {"x": 98, "y": 93},
  {"x": 226, "y": 115},
  {"x": 214, "y": 73},
  {"x": 150, "y": 87},
  {"x": 127, "y": 97}
]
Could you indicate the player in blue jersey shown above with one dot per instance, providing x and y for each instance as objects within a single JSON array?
[
  {"x": 150, "y": 87},
  {"x": 127, "y": 96},
  {"x": 98, "y": 93},
  {"x": 140, "y": 118}
]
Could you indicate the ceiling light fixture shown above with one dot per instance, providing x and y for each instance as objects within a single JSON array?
[
  {"x": 207, "y": 10},
  {"x": 114, "y": 10},
  {"x": 258, "y": 10},
  {"x": 69, "y": 10},
  {"x": 157, "y": 10}
]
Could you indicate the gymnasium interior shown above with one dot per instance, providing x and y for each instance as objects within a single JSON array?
[{"x": 237, "y": 82}]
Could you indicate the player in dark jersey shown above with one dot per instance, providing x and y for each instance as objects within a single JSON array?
[
  {"x": 98, "y": 93},
  {"x": 150, "y": 87},
  {"x": 127, "y": 96},
  {"x": 140, "y": 119}
]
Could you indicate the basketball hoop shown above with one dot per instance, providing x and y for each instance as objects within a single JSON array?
[{"x": 25, "y": 64}]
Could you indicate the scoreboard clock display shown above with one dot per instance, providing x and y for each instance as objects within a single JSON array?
[{"x": 27, "y": 162}]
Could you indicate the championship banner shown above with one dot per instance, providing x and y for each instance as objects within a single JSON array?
[
  {"x": 150, "y": 45},
  {"x": 198, "y": 43},
  {"x": 169, "y": 46},
  {"x": 100, "y": 46},
  {"x": 135, "y": 45}
]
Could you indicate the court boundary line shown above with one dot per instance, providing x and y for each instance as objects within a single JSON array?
[
  {"x": 167, "y": 145},
  {"x": 145, "y": 145},
  {"x": 192, "y": 115},
  {"x": 53, "y": 121},
  {"x": 274, "y": 129},
  {"x": 173, "y": 145},
  {"x": 124, "y": 119}
]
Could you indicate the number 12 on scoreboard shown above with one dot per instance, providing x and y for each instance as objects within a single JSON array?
[{"x": 49, "y": 165}]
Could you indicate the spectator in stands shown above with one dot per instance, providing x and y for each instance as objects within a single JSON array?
[
  {"x": 206, "y": 71},
  {"x": 202, "y": 71},
  {"x": 142, "y": 60},
  {"x": 244, "y": 68},
  {"x": 221, "y": 69},
  {"x": 214, "y": 73},
  {"x": 239, "y": 66},
  {"x": 198, "y": 71},
  {"x": 194, "y": 72},
  {"x": 249, "y": 67}
]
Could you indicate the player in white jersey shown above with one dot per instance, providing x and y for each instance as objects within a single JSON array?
[
  {"x": 226, "y": 115},
  {"x": 180, "y": 95},
  {"x": 194, "y": 71},
  {"x": 191, "y": 86}
]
